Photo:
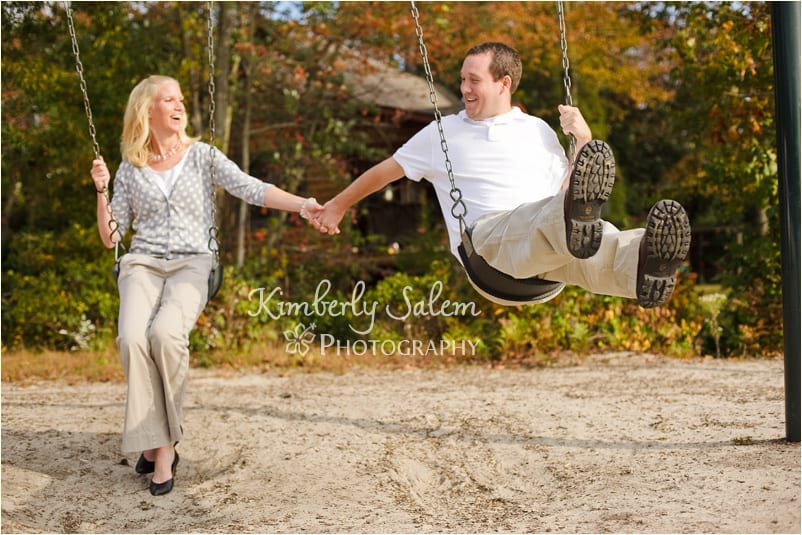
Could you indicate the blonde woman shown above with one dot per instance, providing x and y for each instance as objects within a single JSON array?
[{"x": 163, "y": 192}]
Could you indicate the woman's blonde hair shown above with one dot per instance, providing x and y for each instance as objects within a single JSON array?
[{"x": 135, "y": 144}]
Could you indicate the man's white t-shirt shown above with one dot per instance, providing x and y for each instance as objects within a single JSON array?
[{"x": 498, "y": 163}]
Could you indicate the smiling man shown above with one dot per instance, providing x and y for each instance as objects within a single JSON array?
[{"x": 532, "y": 214}]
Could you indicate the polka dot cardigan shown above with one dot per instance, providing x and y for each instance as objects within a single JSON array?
[{"x": 177, "y": 224}]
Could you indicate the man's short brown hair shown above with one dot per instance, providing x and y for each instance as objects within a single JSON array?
[{"x": 505, "y": 61}]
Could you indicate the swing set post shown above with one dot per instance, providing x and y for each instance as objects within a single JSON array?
[{"x": 785, "y": 43}]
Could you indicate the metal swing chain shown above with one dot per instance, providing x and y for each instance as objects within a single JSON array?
[
  {"x": 114, "y": 227},
  {"x": 459, "y": 210},
  {"x": 80, "y": 68},
  {"x": 214, "y": 241},
  {"x": 566, "y": 74}
]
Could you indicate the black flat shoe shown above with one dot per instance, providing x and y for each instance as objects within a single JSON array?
[
  {"x": 159, "y": 489},
  {"x": 144, "y": 466}
]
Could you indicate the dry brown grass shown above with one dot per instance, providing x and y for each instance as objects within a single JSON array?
[
  {"x": 73, "y": 366},
  {"x": 273, "y": 358},
  {"x": 26, "y": 366}
]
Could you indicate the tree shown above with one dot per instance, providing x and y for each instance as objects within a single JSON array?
[
  {"x": 682, "y": 91},
  {"x": 724, "y": 114}
]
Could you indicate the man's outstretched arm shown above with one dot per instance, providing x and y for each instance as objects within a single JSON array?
[{"x": 371, "y": 181}]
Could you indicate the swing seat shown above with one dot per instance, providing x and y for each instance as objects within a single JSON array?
[
  {"x": 500, "y": 287},
  {"x": 215, "y": 279}
]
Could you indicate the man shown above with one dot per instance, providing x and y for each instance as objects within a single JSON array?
[{"x": 531, "y": 213}]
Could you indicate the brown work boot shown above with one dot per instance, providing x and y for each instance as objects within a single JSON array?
[
  {"x": 663, "y": 248},
  {"x": 589, "y": 188}
]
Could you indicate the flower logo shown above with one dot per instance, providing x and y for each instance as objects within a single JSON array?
[{"x": 299, "y": 339}]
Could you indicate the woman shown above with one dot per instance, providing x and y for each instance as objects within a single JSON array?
[{"x": 163, "y": 191}]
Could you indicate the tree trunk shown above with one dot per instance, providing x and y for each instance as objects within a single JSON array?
[
  {"x": 243, "y": 215},
  {"x": 195, "y": 87},
  {"x": 222, "y": 56},
  {"x": 222, "y": 70}
]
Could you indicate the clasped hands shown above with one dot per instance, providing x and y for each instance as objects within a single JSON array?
[{"x": 326, "y": 218}]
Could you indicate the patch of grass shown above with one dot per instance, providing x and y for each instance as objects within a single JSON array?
[
  {"x": 274, "y": 358},
  {"x": 72, "y": 366},
  {"x": 102, "y": 366}
]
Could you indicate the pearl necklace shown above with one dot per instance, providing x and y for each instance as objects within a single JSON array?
[{"x": 161, "y": 157}]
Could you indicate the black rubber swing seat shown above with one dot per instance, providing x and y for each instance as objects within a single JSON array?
[{"x": 500, "y": 285}]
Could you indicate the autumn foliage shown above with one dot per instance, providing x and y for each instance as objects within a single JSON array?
[{"x": 683, "y": 93}]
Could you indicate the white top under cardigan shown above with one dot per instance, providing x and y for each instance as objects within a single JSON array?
[
  {"x": 175, "y": 222},
  {"x": 498, "y": 164},
  {"x": 166, "y": 179}
]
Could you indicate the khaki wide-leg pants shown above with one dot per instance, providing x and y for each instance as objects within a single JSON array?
[
  {"x": 530, "y": 241},
  {"x": 160, "y": 301}
]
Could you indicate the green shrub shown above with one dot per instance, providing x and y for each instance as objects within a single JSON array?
[{"x": 58, "y": 293}]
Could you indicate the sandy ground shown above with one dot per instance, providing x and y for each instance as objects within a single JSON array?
[{"x": 624, "y": 443}]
